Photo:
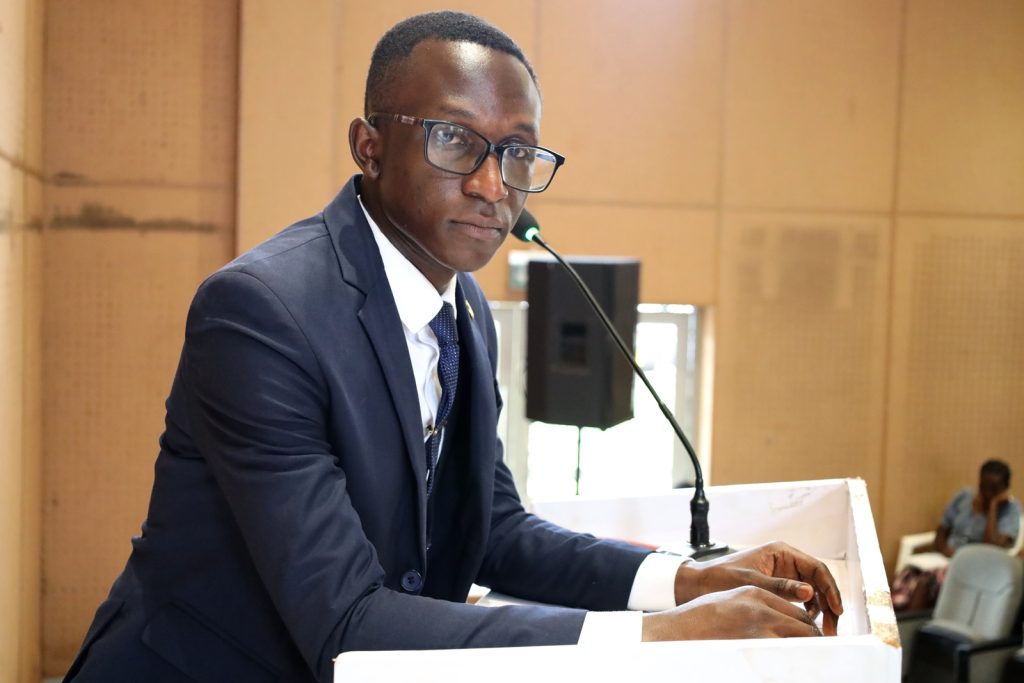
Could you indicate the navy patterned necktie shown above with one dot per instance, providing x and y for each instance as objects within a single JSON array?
[{"x": 447, "y": 335}]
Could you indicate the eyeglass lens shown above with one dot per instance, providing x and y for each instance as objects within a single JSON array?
[{"x": 457, "y": 149}]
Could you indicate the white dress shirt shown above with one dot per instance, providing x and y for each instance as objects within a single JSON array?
[{"x": 418, "y": 302}]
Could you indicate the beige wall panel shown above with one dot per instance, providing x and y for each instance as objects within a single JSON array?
[
  {"x": 361, "y": 25},
  {"x": 962, "y": 143},
  {"x": 114, "y": 320},
  {"x": 13, "y": 70},
  {"x": 811, "y": 104},
  {"x": 800, "y": 348},
  {"x": 287, "y": 128},
  {"x": 633, "y": 98},
  {"x": 30, "y": 629},
  {"x": 137, "y": 91},
  {"x": 140, "y": 140},
  {"x": 144, "y": 209},
  {"x": 676, "y": 247},
  {"x": 121, "y": 268},
  {"x": 11, "y": 460},
  {"x": 20, "y": 429},
  {"x": 957, "y": 380},
  {"x": 32, "y": 144}
]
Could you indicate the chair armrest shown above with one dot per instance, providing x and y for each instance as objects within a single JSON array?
[
  {"x": 911, "y": 543},
  {"x": 937, "y": 648},
  {"x": 984, "y": 662},
  {"x": 1012, "y": 642}
]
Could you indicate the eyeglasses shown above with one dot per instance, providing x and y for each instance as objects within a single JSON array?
[{"x": 457, "y": 149}]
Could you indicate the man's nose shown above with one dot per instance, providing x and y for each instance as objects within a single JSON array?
[{"x": 485, "y": 182}]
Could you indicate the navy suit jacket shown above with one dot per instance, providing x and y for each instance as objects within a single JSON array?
[{"x": 289, "y": 519}]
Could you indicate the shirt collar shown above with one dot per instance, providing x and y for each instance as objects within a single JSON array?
[{"x": 416, "y": 299}]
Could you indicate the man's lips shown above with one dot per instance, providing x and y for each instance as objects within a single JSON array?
[{"x": 482, "y": 228}]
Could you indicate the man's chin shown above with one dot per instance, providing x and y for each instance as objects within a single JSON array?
[{"x": 473, "y": 262}]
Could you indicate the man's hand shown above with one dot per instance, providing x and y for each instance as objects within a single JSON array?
[
  {"x": 746, "y": 612},
  {"x": 777, "y": 568}
]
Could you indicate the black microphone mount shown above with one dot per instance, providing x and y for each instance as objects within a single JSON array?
[{"x": 527, "y": 230}]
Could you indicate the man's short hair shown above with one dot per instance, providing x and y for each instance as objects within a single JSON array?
[
  {"x": 399, "y": 42},
  {"x": 997, "y": 468}
]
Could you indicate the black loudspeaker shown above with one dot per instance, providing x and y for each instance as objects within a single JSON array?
[{"x": 575, "y": 373}]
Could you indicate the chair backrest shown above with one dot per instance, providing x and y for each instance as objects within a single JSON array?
[
  {"x": 1018, "y": 542},
  {"x": 982, "y": 590}
]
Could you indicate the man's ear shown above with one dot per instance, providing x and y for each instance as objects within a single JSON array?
[{"x": 364, "y": 142}]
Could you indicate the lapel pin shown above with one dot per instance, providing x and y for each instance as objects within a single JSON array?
[{"x": 469, "y": 309}]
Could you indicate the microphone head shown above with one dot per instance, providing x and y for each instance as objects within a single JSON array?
[{"x": 526, "y": 227}]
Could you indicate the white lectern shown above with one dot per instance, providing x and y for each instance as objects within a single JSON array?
[{"x": 830, "y": 519}]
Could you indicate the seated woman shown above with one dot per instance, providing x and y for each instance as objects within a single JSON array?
[{"x": 988, "y": 515}]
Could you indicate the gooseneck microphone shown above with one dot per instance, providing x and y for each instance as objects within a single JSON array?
[{"x": 527, "y": 230}]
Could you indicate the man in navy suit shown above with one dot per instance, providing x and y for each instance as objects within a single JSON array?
[{"x": 329, "y": 478}]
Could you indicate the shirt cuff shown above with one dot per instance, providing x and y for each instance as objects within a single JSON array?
[
  {"x": 611, "y": 627},
  {"x": 654, "y": 586}
]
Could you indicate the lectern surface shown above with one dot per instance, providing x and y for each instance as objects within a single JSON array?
[{"x": 830, "y": 519}]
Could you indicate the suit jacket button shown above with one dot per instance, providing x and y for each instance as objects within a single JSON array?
[{"x": 412, "y": 581}]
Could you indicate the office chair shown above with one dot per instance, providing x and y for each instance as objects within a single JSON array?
[{"x": 970, "y": 635}]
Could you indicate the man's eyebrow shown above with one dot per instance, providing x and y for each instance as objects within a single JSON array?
[{"x": 458, "y": 112}]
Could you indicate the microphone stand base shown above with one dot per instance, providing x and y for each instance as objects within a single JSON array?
[
  {"x": 699, "y": 552},
  {"x": 707, "y": 552}
]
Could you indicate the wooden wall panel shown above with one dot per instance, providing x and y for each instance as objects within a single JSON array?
[
  {"x": 287, "y": 126},
  {"x": 963, "y": 106},
  {"x": 811, "y": 99},
  {"x": 31, "y": 485},
  {"x": 140, "y": 145},
  {"x": 11, "y": 426},
  {"x": 957, "y": 390},
  {"x": 800, "y": 348},
  {"x": 632, "y": 94},
  {"x": 677, "y": 247},
  {"x": 21, "y": 204},
  {"x": 149, "y": 108}
]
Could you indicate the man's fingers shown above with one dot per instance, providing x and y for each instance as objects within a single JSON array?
[
  {"x": 783, "y": 560},
  {"x": 798, "y": 621},
  {"x": 829, "y": 623},
  {"x": 826, "y": 584},
  {"x": 812, "y": 608},
  {"x": 787, "y": 574},
  {"x": 806, "y": 626},
  {"x": 789, "y": 589}
]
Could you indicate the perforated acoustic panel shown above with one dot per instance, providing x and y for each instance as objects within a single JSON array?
[
  {"x": 800, "y": 348},
  {"x": 140, "y": 126},
  {"x": 957, "y": 392}
]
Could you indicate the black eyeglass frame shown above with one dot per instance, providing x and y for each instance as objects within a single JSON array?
[{"x": 497, "y": 150}]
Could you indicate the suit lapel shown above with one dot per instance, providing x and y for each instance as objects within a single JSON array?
[
  {"x": 361, "y": 267},
  {"x": 479, "y": 412},
  {"x": 383, "y": 327}
]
